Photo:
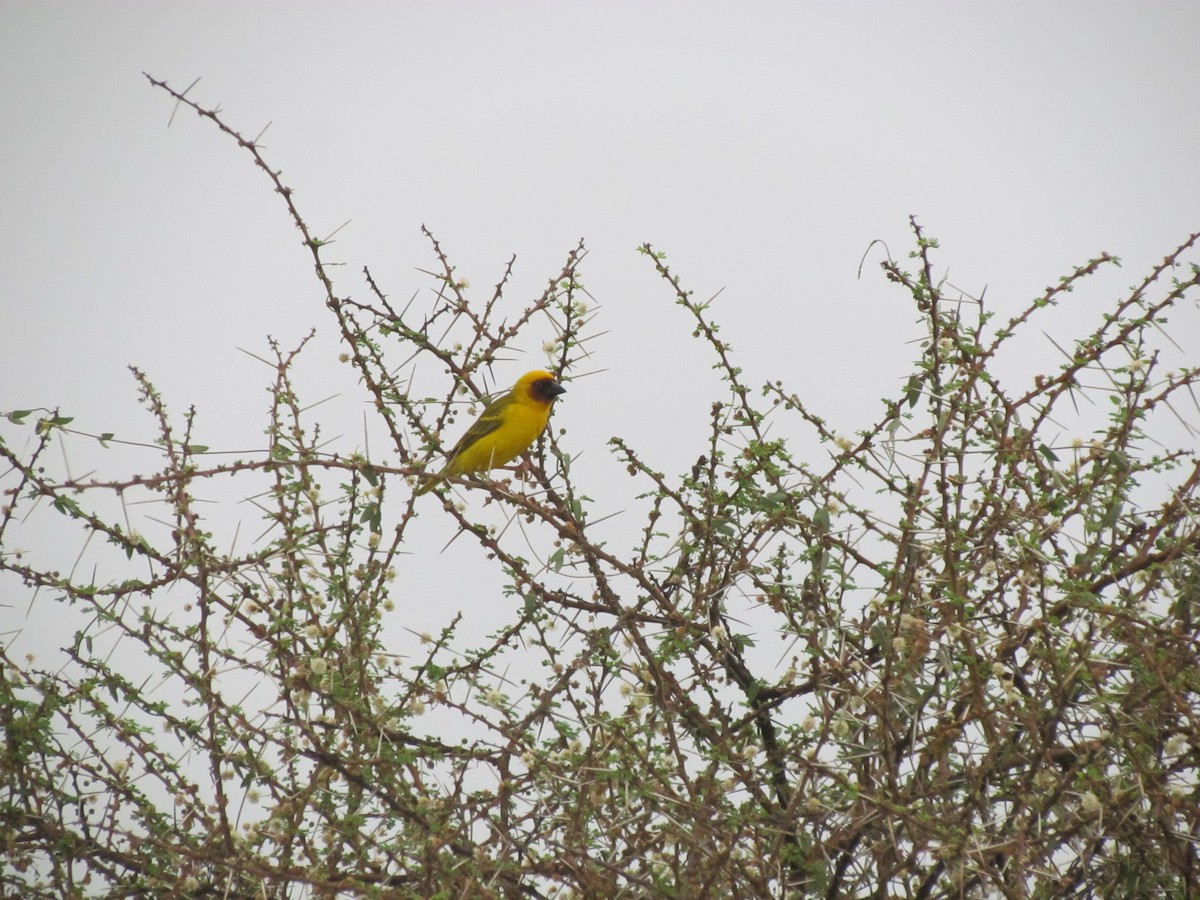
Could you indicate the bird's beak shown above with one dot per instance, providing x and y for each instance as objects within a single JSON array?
[{"x": 554, "y": 389}]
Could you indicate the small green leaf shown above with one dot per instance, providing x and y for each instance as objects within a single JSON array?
[
  {"x": 820, "y": 561},
  {"x": 742, "y": 641},
  {"x": 912, "y": 390},
  {"x": 372, "y": 516},
  {"x": 45, "y": 425},
  {"x": 66, "y": 505}
]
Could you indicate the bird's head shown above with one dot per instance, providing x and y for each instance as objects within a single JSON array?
[{"x": 539, "y": 385}]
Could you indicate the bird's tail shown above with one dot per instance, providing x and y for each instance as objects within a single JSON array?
[{"x": 428, "y": 484}]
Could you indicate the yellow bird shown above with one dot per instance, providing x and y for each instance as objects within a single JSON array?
[{"x": 504, "y": 430}]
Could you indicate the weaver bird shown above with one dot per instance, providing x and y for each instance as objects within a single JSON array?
[{"x": 504, "y": 430}]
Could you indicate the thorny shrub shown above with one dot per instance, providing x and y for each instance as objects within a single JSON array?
[{"x": 992, "y": 683}]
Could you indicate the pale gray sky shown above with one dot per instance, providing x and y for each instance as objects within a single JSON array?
[{"x": 762, "y": 146}]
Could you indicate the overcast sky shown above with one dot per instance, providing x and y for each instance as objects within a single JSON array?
[{"x": 762, "y": 146}]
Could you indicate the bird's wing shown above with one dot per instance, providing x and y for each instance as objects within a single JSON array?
[{"x": 489, "y": 420}]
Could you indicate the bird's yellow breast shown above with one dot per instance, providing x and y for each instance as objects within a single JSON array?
[{"x": 522, "y": 424}]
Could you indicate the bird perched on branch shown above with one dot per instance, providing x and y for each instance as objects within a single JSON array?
[{"x": 504, "y": 430}]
